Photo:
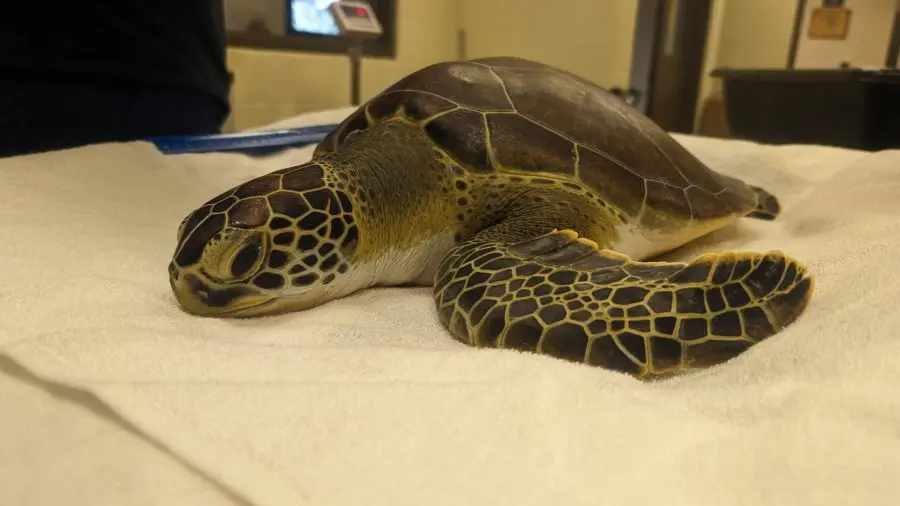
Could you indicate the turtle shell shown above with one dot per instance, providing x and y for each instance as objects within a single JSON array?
[{"x": 517, "y": 116}]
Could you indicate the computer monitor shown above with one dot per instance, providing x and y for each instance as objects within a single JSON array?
[{"x": 312, "y": 17}]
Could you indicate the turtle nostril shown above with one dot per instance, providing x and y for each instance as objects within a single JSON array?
[
  {"x": 197, "y": 287},
  {"x": 173, "y": 271}
]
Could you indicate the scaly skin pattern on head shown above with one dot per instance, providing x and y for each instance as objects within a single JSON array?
[
  {"x": 298, "y": 237},
  {"x": 516, "y": 261}
]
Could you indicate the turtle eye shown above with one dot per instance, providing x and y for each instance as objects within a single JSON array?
[
  {"x": 234, "y": 255},
  {"x": 246, "y": 260}
]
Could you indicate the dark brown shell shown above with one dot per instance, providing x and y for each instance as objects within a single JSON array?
[{"x": 517, "y": 116}]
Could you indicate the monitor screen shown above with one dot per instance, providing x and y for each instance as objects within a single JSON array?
[{"x": 312, "y": 16}]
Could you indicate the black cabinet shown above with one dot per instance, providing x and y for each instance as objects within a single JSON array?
[{"x": 853, "y": 108}]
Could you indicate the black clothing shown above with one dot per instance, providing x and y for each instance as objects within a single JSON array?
[{"x": 92, "y": 71}]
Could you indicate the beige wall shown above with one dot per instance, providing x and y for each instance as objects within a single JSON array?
[
  {"x": 757, "y": 34},
  {"x": 272, "y": 85},
  {"x": 745, "y": 34},
  {"x": 708, "y": 85},
  {"x": 867, "y": 39},
  {"x": 591, "y": 38}
]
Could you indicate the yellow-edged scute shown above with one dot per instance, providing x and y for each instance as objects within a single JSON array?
[{"x": 516, "y": 116}]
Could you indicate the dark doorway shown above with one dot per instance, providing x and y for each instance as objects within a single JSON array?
[
  {"x": 894, "y": 45},
  {"x": 667, "y": 64}
]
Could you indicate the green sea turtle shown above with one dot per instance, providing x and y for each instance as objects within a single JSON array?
[{"x": 529, "y": 198}]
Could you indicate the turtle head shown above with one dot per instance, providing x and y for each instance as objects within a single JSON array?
[{"x": 281, "y": 242}]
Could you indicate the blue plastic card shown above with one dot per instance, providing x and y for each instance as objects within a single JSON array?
[{"x": 248, "y": 142}]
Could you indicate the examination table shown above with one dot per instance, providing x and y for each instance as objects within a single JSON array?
[{"x": 111, "y": 395}]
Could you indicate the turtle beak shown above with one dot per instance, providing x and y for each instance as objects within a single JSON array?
[{"x": 199, "y": 298}]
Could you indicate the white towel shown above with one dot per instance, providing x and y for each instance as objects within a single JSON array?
[{"x": 312, "y": 408}]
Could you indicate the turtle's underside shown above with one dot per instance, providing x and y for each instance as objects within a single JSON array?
[{"x": 531, "y": 199}]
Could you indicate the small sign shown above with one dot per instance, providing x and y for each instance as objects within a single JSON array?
[{"x": 829, "y": 23}]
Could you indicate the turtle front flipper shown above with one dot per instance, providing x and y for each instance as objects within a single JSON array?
[{"x": 560, "y": 295}]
